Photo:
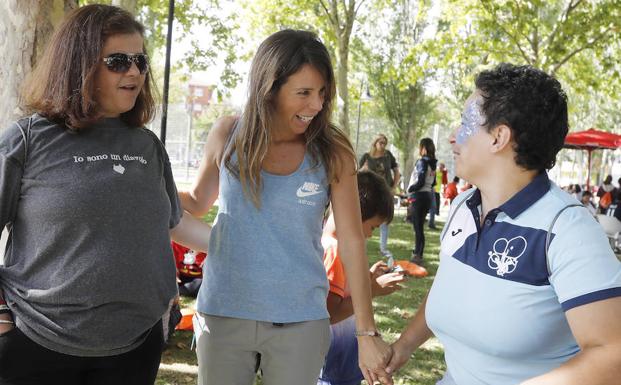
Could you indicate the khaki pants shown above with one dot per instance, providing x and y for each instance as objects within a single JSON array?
[{"x": 228, "y": 350}]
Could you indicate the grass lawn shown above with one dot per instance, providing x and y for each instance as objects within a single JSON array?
[{"x": 391, "y": 314}]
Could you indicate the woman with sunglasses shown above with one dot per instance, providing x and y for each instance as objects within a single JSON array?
[
  {"x": 382, "y": 162},
  {"x": 263, "y": 300},
  {"x": 88, "y": 195}
]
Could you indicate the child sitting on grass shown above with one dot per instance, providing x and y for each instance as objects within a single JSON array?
[{"x": 376, "y": 205}]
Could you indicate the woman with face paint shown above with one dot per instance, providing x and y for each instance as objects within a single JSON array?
[
  {"x": 528, "y": 290},
  {"x": 88, "y": 195},
  {"x": 420, "y": 188}
]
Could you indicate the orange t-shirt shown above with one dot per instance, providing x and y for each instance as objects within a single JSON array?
[
  {"x": 451, "y": 191},
  {"x": 334, "y": 267}
]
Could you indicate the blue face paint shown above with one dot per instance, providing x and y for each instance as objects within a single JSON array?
[{"x": 472, "y": 120}]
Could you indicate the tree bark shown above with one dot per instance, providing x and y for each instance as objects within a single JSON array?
[
  {"x": 25, "y": 27},
  {"x": 341, "y": 84}
]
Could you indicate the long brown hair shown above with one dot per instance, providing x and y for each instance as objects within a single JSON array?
[
  {"x": 373, "y": 150},
  {"x": 62, "y": 86},
  {"x": 281, "y": 55}
]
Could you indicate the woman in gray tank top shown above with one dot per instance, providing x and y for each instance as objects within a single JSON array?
[{"x": 263, "y": 300}]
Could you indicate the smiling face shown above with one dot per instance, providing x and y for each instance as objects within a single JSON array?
[
  {"x": 298, "y": 101},
  {"x": 116, "y": 93}
]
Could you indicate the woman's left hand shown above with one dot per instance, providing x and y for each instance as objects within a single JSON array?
[{"x": 373, "y": 356}]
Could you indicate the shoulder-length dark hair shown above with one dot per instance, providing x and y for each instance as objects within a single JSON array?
[
  {"x": 62, "y": 86},
  {"x": 430, "y": 148},
  {"x": 281, "y": 55}
]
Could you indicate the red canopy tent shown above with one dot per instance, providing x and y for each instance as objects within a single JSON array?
[{"x": 590, "y": 140}]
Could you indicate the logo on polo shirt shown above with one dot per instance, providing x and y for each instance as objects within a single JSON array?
[{"x": 505, "y": 254}]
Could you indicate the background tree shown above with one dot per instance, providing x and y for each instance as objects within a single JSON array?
[
  {"x": 332, "y": 20},
  {"x": 399, "y": 64},
  {"x": 210, "y": 27},
  {"x": 25, "y": 27},
  {"x": 570, "y": 39}
]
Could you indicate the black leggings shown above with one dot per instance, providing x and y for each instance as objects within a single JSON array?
[
  {"x": 24, "y": 362},
  {"x": 420, "y": 208}
]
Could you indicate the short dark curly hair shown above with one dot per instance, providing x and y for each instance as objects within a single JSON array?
[
  {"x": 375, "y": 196},
  {"x": 533, "y": 105}
]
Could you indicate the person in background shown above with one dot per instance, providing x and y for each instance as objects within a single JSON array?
[
  {"x": 89, "y": 197},
  {"x": 420, "y": 188},
  {"x": 606, "y": 193},
  {"x": 586, "y": 202},
  {"x": 382, "y": 162},
  {"x": 451, "y": 190},
  {"x": 435, "y": 199},
  {"x": 274, "y": 170},
  {"x": 376, "y": 206},
  {"x": 576, "y": 191},
  {"x": 528, "y": 290}
]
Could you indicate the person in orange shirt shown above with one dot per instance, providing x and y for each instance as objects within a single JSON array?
[
  {"x": 376, "y": 206},
  {"x": 450, "y": 192}
]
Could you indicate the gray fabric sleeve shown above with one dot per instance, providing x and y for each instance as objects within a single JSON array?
[{"x": 11, "y": 169}]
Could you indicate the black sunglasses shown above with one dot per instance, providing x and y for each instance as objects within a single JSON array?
[{"x": 122, "y": 62}]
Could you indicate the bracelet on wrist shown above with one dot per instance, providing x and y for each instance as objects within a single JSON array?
[
  {"x": 6, "y": 321},
  {"x": 367, "y": 333}
]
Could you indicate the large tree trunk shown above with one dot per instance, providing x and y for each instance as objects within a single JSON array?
[
  {"x": 25, "y": 27},
  {"x": 341, "y": 84}
]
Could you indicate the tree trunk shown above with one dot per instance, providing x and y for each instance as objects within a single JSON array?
[
  {"x": 342, "y": 63},
  {"x": 25, "y": 27}
]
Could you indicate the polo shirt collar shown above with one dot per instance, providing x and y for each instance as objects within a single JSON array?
[{"x": 522, "y": 200}]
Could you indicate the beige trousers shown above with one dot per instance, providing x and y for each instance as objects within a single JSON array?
[{"x": 230, "y": 351}]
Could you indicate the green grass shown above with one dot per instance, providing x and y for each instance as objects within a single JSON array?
[{"x": 392, "y": 314}]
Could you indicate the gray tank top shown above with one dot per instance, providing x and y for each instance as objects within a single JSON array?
[{"x": 266, "y": 264}]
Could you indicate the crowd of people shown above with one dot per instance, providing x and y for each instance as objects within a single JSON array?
[
  {"x": 528, "y": 290},
  {"x": 604, "y": 199}
]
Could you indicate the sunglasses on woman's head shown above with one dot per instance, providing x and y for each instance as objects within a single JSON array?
[{"x": 122, "y": 62}]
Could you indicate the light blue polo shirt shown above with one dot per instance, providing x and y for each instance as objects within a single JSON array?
[{"x": 493, "y": 304}]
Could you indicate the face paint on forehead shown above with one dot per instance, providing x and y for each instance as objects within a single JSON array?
[{"x": 471, "y": 121}]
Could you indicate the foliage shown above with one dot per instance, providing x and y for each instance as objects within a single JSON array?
[
  {"x": 332, "y": 20},
  {"x": 205, "y": 121},
  {"x": 210, "y": 25},
  {"x": 571, "y": 39},
  {"x": 398, "y": 65}
]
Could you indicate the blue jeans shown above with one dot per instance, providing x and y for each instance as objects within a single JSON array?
[
  {"x": 432, "y": 210},
  {"x": 383, "y": 237}
]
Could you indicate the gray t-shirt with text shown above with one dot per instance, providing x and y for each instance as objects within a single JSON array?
[{"x": 88, "y": 268}]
